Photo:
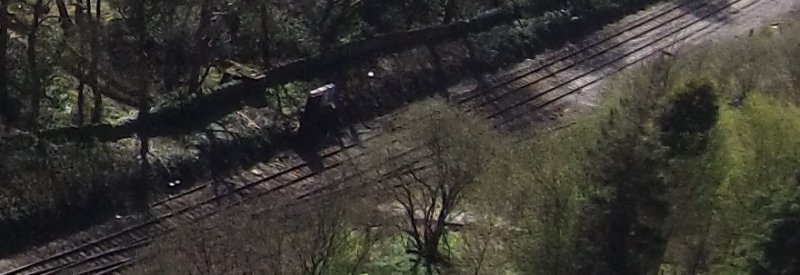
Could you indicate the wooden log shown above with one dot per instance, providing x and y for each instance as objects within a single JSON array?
[{"x": 230, "y": 97}]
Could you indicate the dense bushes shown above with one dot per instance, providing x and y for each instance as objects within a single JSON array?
[
  {"x": 699, "y": 155},
  {"x": 73, "y": 185},
  {"x": 691, "y": 114}
]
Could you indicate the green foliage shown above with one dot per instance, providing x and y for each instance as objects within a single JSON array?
[
  {"x": 783, "y": 238},
  {"x": 682, "y": 168},
  {"x": 460, "y": 148},
  {"x": 691, "y": 114},
  {"x": 622, "y": 227},
  {"x": 444, "y": 173},
  {"x": 389, "y": 257},
  {"x": 751, "y": 166},
  {"x": 537, "y": 201},
  {"x": 761, "y": 158},
  {"x": 690, "y": 165}
]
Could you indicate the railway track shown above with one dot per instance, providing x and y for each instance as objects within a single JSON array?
[{"x": 506, "y": 102}]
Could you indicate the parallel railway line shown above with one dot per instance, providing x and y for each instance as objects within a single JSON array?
[{"x": 504, "y": 101}]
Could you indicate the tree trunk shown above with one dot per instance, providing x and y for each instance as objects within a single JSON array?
[
  {"x": 81, "y": 102},
  {"x": 201, "y": 39},
  {"x": 88, "y": 8},
  {"x": 139, "y": 191},
  {"x": 78, "y": 12},
  {"x": 8, "y": 111},
  {"x": 66, "y": 21},
  {"x": 98, "y": 11},
  {"x": 97, "y": 110},
  {"x": 265, "y": 37},
  {"x": 33, "y": 73}
]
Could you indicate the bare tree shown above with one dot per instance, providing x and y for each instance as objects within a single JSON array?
[
  {"x": 140, "y": 188},
  {"x": 455, "y": 148},
  {"x": 263, "y": 11},
  {"x": 34, "y": 76},
  {"x": 66, "y": 21},
  {"x": 326, "y": 237},
  {"x": 316, "y": 239},
  {"x": 80, "y": 103},
  {"x": 94, "y": 67}
]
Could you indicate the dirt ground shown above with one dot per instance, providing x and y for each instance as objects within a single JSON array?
[
  {"x": 736, "y": 26},
  {"x": 737, "y": 23},
  {"x": 768, "y": 12}
]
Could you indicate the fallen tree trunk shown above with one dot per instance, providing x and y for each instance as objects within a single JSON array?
[{"x": 205, "y": 109}]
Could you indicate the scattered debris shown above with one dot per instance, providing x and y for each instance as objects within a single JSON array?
[
  {"x": 775, "y": 28},
  {"x": 248, "y": 121},
  {"x": 242, "y": 71},
  {"x": 174, "y": 183}
]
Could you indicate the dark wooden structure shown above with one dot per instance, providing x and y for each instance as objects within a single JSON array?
[{"x": 319, "y": 119}]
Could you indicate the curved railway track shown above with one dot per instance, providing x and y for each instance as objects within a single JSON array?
[{"x": 567, "y": 72}]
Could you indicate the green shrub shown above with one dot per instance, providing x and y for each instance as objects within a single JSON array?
[
  {"x": 689, "y": 116},
  {"x": 688, "y": 165}
]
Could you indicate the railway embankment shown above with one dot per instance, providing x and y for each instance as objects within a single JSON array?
[{"x": 251, "y": 135}]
